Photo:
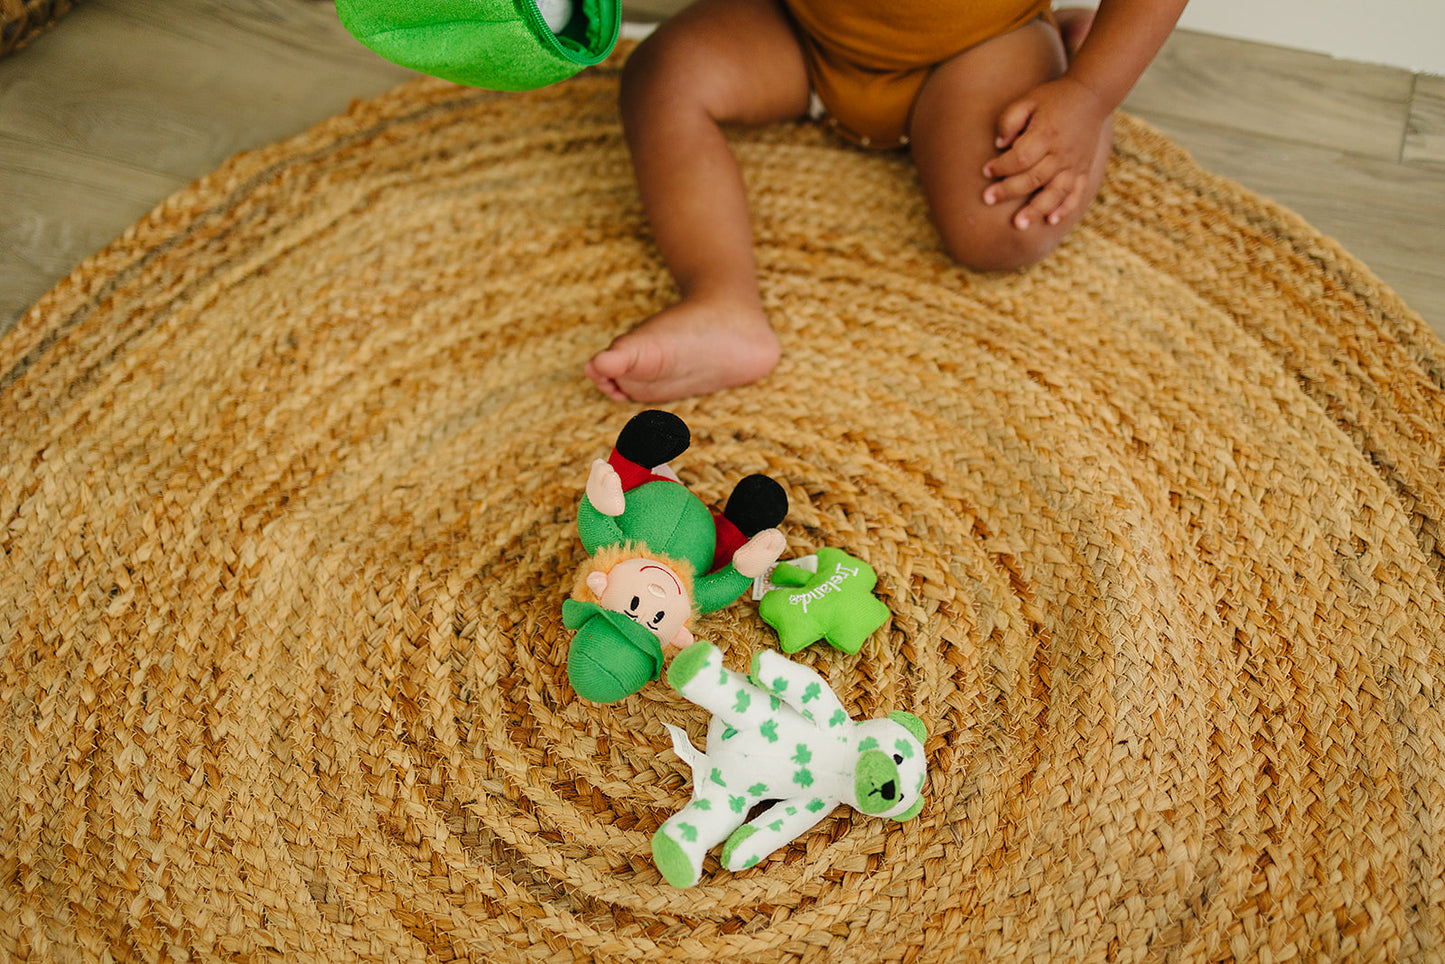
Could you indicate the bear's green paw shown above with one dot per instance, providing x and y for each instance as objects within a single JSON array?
[
  {"x": 673, "y": 861},
  {"x": 739, "y": 836},
  {"x": 687, "y": 664}
]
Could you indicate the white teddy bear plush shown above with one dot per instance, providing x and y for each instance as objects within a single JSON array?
[{"x": 781, "y": 735}]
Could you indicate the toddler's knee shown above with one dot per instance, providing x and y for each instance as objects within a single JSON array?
[
  {"x": 1005, "y": 248},
  {"x": 663, "y": 64}
]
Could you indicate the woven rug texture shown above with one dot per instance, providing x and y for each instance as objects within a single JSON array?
[{"x": 288, "y": 482}]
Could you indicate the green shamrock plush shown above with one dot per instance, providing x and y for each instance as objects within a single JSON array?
[{"x": 835, "y": 603}]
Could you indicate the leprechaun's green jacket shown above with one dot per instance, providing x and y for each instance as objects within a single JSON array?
[{"x": 670, "y": 521}]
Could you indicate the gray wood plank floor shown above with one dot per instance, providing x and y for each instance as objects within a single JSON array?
[{"x": 126, "y": 101}]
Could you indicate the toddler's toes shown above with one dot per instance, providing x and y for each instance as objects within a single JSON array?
[{"x": 605, "y": 368}]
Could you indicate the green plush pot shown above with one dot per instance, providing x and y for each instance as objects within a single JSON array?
[{"x": 496, "y": 44}]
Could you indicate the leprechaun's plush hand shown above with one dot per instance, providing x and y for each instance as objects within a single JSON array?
[
  {"x": 604, "y": 489},
  {"x": 759, "y": 552}
]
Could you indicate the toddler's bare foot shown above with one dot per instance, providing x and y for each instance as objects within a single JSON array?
[{"x": 690, "y": 349}]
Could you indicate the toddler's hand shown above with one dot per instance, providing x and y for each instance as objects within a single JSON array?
[{"x": 1048, "y": 140}]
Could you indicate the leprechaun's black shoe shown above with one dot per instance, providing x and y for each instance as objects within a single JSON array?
[
  {"x": 757, "y": 503},
  {"x": 652, "y": 438}
]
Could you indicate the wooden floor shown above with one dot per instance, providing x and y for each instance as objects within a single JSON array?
[{"x": 126, "y": 101}]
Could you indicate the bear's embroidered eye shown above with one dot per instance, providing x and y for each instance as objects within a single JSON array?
[
  {"x": 656, "y": 621},
  {"x": 898, "y": 758},
  {"x": 634, "y": 606}
]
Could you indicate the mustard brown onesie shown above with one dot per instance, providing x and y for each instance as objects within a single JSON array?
[{"x": 867, "y": 59}]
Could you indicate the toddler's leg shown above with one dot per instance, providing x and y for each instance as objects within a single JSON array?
[
  {"x": 952, "y": 136},
  {"x": 716, "y": 62}
]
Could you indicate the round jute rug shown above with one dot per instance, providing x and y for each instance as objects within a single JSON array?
[{"x": 288, "y": 481}]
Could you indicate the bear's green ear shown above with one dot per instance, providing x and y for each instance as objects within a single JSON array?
[{"x": 910, "y": 723}]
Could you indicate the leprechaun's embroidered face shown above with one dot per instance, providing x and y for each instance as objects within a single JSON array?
[
  {"x": 888, "y": 777},
  {"x": 653, "y": 591},
  {"x": 649, "y": 593}
]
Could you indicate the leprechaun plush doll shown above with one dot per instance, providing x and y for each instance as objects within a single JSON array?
[{"x": 658, "y": 556}]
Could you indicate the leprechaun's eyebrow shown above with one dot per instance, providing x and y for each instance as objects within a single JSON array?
[{"x": 666, "y": 572}]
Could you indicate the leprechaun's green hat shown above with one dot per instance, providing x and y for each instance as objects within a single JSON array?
[
  {"x": 611, "y": 657},
  {"x": 495, "y": 44}
]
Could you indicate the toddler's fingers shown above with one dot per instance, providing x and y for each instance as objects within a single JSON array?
[
  {"x": 1011, "y": 122},
  {"x": 1029, "y": 150},
  {"x": 1073, "y": 202},
  {"x": 1022, "y": 155},
  {"x": 1023, "y": 184},
  {"x": 1052, "y": 203},
  {"x": 1043, "y": 204}
]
